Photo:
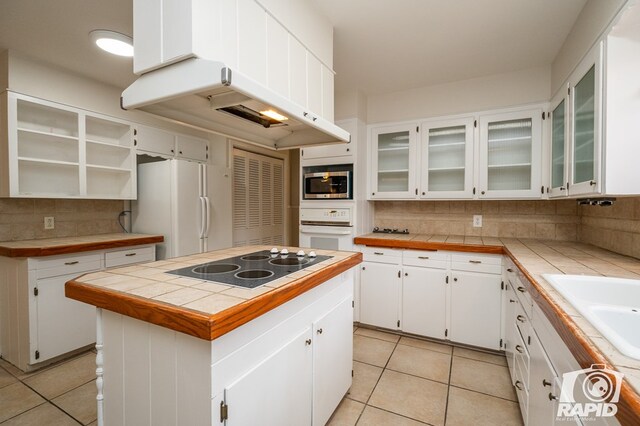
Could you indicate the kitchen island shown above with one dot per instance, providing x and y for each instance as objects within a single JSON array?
[{"x": 183, "y": 350}]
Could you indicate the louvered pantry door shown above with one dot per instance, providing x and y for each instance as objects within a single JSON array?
[{"x": 258, "y": 199}]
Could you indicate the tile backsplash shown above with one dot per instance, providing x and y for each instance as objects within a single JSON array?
[{"x": 23, "y": 219}]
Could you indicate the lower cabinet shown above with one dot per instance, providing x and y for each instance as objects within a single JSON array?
[
  {"x": 424, "y": 292},
  {"x": 543, "y": 386},
  {"x": 380, "y": 287}
]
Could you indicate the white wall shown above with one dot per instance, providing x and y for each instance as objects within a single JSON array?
[
  {"x": 350, "y": 104},
  {"x": 491, "y": 92},
  {"x": 591, "y": 22}
]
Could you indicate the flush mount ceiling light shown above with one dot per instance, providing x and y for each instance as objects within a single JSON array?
[
  {"x": 272, "y": 114},
  {"x": 113, "y": 42}
]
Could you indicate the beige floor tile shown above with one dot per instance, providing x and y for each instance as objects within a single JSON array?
[
  {"x": 347, "y": 413},
  {"x": 421, "y": 362},
  {"x": 473, "y": 408},
  {"x": 480, "y": 356},
  {"x": 372, "y": 416},
  {"x": 377, "y": 334},
  {"x": 425, "y": 344},
  {"x": 365, "y": 378},
  {"x": 45, "y": 414},
  {"x": 6, "y": 378},
  {"x": 80, "y": 403},
  {"x": 64, "y": 377},
  {"x": 482, "y": 377},
  {"x": 411, "y": 396},
  {"x": 17, "y": 398},
  {"x": 372, "y": 351}
]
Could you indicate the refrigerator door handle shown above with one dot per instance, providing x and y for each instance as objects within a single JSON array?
[
  {"x": 207, "y": 205},
  {"x": 203, "y": 220}
]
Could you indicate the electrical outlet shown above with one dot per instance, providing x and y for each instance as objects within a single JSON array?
[
  {"x": 477, "y": 221},
  {"x": 49, "y": 222}
]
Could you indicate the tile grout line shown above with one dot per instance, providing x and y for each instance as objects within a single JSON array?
[{"x": 446, "y": 405}]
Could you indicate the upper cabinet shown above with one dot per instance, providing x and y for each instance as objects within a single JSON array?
[
  {"x": 510, "y": 153},
  {"x": 393, "y": 162},
  {"x": 559, "y": 146},
  {"x": 56, "y": 151},
  {"x": 446, "y": 166},
  {"x": 161, "y": 143}
]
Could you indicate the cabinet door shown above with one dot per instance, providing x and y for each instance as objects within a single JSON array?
[
  {"x": 475, "y": 309},
  {"x": 424, "y": 301},
  {"x": 380, "y": 294},
  {"x": 393, "y": 162},
  {"x": 446, "y": 160},
  {"x": 542, "y": 378},
  {"x": 510, "y": 153},
  {"x": 192, "y": 148},
  {"x": 559, "y": 146},
  {"x": 62, "y": 324},
  {"x": 586, "y": 120},
  {"x": 277, "y": 391},
  {"x": 511, "y": 301},
  {"x": 154, "y": 141},
  {"x": 332, "y": 360},
  {"x": 335, "y": 150}
]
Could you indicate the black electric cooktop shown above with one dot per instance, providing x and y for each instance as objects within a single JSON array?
[{"x": 250, "y": 270}]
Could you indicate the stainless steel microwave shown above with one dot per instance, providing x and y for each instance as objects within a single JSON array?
[{"x": 328, "y": 182}]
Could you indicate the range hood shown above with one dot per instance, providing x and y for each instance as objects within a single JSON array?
[{"x": 209, "y": 94}]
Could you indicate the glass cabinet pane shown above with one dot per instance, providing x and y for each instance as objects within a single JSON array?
[
  {"x": 557, "y": 146},
  {"x": 446, "y": 153},
  {"x": 393, "y": 161},
  {"x": 509, "y": 154},
  {"x": 584, "y": 128}
]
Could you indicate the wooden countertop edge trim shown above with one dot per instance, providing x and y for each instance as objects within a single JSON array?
[
  {"x": 198, "y": 324},
  {"x": 580, "y": 346},
  {"x": 78, "y": 247}
]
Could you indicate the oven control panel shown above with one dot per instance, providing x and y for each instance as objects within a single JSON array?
[{"x": 319, "y": 215}]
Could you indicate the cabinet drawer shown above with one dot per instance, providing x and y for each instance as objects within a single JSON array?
[
  {"x": 381, "y": 255},
  {"x": 62, "y": 265},
  {"x": 425, "y": 258},
  {"x": 476, "y": 265},
  {"x": 129, "y": 256},
  {"x": 521, "y": 391},
  {"x": 524, "y": 325},
  {"x": 523, "y": 295}
]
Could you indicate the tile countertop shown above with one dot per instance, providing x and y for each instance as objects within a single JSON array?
[
  {"x": 203, "y": 309},
  {"x": 65, "y": 245},
  {"x": 537, "y": 257}
]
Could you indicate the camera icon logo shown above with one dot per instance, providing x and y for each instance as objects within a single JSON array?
[{"x": 590, "y": 392}]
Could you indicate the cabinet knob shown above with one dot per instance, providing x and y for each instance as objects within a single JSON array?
[
  {"x": 545, "y": 382},
  {"x": 562, "y": 188},
  {"x": 406, "y": 274},
  {"x": 519, "y": 349},
  {"x": 509, "y": 270},
  {"x": 482, "y": 192},
  {"x": 520, "y": 318},
  {"x": 455, "y": 279},
  {"x": 522, "y": 289},
  {"x": 307, "y": 342},
  {"x": 348, "y": 149},
  {"x": 363, "y": 268},
  {"x": 552, "y": 397},
  {"x": 424, "y": 193},
  {"x": 319, "y": 331},
  {"x": 518, "y": 384},
  {"x": 373, "y": 193},
  {"x": 592, "y": 183},
  {"x": 512, "y": 301},
  {"x": 180, "y": 152}
]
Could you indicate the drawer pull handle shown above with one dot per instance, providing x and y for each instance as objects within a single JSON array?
[
  {"x": 509, "y": 270},
  {"x": 130, "y": 254},
  {"x": 72, "y": 262},
  {"x": 423, "y": 257},
  {"x": 520, "y": 318},
  {"x": 545, "y": 383},
  {"x": 379, "y": 253},
  {"x": 518, "y": 385},
  {"x": 519, "y": 349},
  {"x": 552, "y": 397},
  {"x": 522, "y": 289},
  {"x": 475, "y": 261}
]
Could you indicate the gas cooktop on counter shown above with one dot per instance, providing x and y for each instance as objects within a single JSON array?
[
  {"x": 377, "y": 230},
  {"x": 253, "y": 269}
]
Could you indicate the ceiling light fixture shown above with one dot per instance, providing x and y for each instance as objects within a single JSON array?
[{"x": 113, "y": 42}]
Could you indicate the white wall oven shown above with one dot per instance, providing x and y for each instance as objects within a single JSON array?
[
  {"x": 326, "y": 228},
  {"x": 327, "y": 182}
]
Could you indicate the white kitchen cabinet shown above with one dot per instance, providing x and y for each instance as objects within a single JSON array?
[
  {"x": 56, "y": 151},
  {"x": 191, "y": 148},
  {"x": 380, "y": 288},
  {"x": 346, "y": 151},
  {"x": 475, "y": 309},
  {"x": 40, "y": 323},
  {"x": 155, "y": 141},
  {"x": 510, "y": 152},
  {"x": 393, "y": 162},
  {"x": 424, "y": 307},
  {"x": 446, "y": 162},
  {"x": 288, "y": 373},
  {"x": 559, "y": 146},
  {"x": 543, "y": 391}
]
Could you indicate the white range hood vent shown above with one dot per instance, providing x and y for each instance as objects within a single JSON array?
[{"x": 209, "y": 94}]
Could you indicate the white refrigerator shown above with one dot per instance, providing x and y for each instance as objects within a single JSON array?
[{"x": 187, "y": 202}]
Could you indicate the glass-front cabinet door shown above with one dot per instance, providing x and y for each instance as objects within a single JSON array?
[
  {"x": 559, "y": 145},
  {"x": 393, "y": 162},
  {"x": 510, "y": 154},
  {"x": 585, "y": 89},
  {"x": 446, "y": 164}
]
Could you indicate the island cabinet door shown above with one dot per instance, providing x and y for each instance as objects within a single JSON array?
[
  {"x": 380, "y": 286},
  {"x": 332, "y": 360},
  {"x": 277, "y": 391}
]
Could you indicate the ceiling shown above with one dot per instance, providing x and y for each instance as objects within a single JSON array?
[{"x": 380, "y": 45}]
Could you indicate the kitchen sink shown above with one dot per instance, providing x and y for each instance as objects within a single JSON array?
[{"x": 611, "y": 305}]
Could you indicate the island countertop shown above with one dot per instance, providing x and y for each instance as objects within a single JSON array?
[
  {"x": 533, "y": 259},
  {"x": 200, "y": 308}
]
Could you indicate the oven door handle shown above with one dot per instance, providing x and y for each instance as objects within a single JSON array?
[{"x": 325, "y": 231}]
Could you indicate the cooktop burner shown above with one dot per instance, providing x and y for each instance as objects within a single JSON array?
[{"x": 249, "y": 270}]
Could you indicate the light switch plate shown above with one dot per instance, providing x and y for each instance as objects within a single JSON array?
[
  {"x": 477, "y": 221},
  {"x": 49, "y": 222}
]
